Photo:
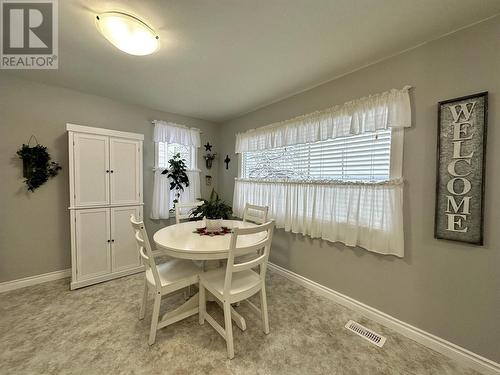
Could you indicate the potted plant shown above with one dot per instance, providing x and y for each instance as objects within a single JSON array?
[
  {"x": 213, "y": 211},
  {"x": 37, "y": 165},
  {"x": 177, "y": 173}
]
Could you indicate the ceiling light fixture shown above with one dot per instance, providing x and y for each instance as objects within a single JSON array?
[{"x": 128, "y": 33}]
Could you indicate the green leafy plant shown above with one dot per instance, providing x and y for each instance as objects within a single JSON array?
[
  {"x": 37, "y": 167},
  {"x": 177, "y": 173},
  {"x": 214, "y": 208}
]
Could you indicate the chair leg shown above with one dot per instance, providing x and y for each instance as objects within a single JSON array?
[
  {"x": 154, "y": 318},
  {"x": 187, "y": 293},
  {"x": 202, "y": 304},
  {"x": 263, "y": 310},
  {"x": 229, "y": 330},
  {"x": 142, "y": 311}
]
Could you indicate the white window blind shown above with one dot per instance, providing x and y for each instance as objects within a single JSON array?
[{"x": 363, "y": 157}]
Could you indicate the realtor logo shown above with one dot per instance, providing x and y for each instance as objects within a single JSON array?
[{"x": 29, "y": 34}]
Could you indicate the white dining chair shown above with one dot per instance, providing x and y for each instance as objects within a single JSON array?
[
  {"x": 183, "y": 210},
  {"x": 255, "y": 214},
  {"x": 238, "y": 282},
  {"x": 163, "y": 279}
]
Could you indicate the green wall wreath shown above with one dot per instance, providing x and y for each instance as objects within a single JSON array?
[{"x": 37, "y": 167}]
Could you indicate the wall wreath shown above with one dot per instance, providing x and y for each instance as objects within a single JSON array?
[{"x": 37, "y": 164}]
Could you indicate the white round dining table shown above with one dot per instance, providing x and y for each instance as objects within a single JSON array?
[{"x": 182, "y": 240}]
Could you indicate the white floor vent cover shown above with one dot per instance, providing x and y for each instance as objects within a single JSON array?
[{"x": 365, "y": 333}]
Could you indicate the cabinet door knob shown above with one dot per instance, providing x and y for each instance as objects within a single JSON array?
[
  {"x": 112, "y": 240},
  {"x": 107, "y": 170},
  {"x": 109, "y": 241},
  {"x": 112, "y": 171}
]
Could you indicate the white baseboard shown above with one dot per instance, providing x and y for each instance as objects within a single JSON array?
[
  {"x": 33, "y": 280},
  {"x": 462, "y": 355}
]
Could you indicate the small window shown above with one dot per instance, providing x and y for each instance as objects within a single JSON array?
[
  {"x": 364, "y": 157},
  {"x": 166, "y": 151}
]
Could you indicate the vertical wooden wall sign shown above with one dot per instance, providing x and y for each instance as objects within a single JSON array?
[{"x": 460, "y": 168}]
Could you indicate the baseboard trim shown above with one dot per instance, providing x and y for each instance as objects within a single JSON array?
[
  {"x": 100, "y": 279},
  {"x": 462, "y": 355},
  {"x": 33, "y": 280}
]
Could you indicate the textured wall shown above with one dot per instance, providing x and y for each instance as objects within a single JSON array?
[
  {"x": 446, "y": 288},
  {"x": 34, "y": 227}
]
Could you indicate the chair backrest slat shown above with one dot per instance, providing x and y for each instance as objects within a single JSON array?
[
  {"x": 239, "y": 251},
  {"x": 179, "y": 207},
  {"x": 144, "y": 248},
  {"x": 249, "y": 264},
  {"x": 255, "y": 214},
  {"x": 261, "y": 258}
]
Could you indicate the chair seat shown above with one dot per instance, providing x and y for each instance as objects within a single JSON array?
[
  {"x": 174, "y": 271},
  {"x": 241, "y": 281}
]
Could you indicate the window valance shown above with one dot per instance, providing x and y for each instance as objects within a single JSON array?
[
  {"x": 390, "y": 109},
  {"x": 170, "y": 132}
]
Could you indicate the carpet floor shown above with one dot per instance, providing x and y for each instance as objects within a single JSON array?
[{"x": 47, "y": 329}]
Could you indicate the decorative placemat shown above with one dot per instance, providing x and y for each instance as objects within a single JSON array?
[{"x": 203, "y": 231}]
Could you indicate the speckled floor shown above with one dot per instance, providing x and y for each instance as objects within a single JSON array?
[{"x": 47, "y": 329}]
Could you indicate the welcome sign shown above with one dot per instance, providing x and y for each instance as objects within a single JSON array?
[{"x": 460, "y": 168}]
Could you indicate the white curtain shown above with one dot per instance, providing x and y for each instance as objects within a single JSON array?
[
  {"x": 170, "y": 132},
  {"x": 369, "y": 215},
  {"x": 162, "y": 195},
  {"x": 390, "y": 109}
]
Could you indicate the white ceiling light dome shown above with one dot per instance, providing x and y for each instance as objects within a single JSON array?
[{"x": 128, "y": 33}]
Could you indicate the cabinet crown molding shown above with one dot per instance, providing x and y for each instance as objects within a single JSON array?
[{"x": 103, "y": 131}]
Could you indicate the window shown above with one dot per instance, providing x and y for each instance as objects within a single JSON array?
[
  {"x": 166, "y": 151},
  {"x": 364, "y": 157}
]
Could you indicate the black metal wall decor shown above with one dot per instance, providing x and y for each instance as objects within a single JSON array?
[
  {"x": 209, "y": 156},
  {"x": 460, "y": 168},
  {"x": 227, "y": 160},
  {"x": 37, "y": 164}
]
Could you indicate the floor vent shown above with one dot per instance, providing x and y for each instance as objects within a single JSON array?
[{"x": 365, "y": 333}]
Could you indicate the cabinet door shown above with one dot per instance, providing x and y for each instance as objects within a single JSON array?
[
  {"x": 124, "y": 251},
  {"x": 126, "y": 169},
  {"x": 93, "y": 246},
  {"x": 91, "y": 163}
]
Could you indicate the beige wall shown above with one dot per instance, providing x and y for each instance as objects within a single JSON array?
[
  {"x": 34, "y": 227},
  {"x": 449, "y": 289}
]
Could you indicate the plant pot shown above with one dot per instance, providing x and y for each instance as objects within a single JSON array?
[{"x": 213, "y": 225}]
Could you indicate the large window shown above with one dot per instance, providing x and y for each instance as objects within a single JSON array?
[
  {"x": 334, "y": 174},
  {"x": 364, "y": 157}
]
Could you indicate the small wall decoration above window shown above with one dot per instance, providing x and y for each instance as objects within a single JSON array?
[
  {"x": 37, "y": 164},
  {"x": 460, "y": 168}
]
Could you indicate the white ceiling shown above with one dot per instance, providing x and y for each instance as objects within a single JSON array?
[{"x": 221, "y": 58}]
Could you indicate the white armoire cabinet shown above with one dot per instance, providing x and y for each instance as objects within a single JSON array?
[{"x": 105, "y": 179}]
